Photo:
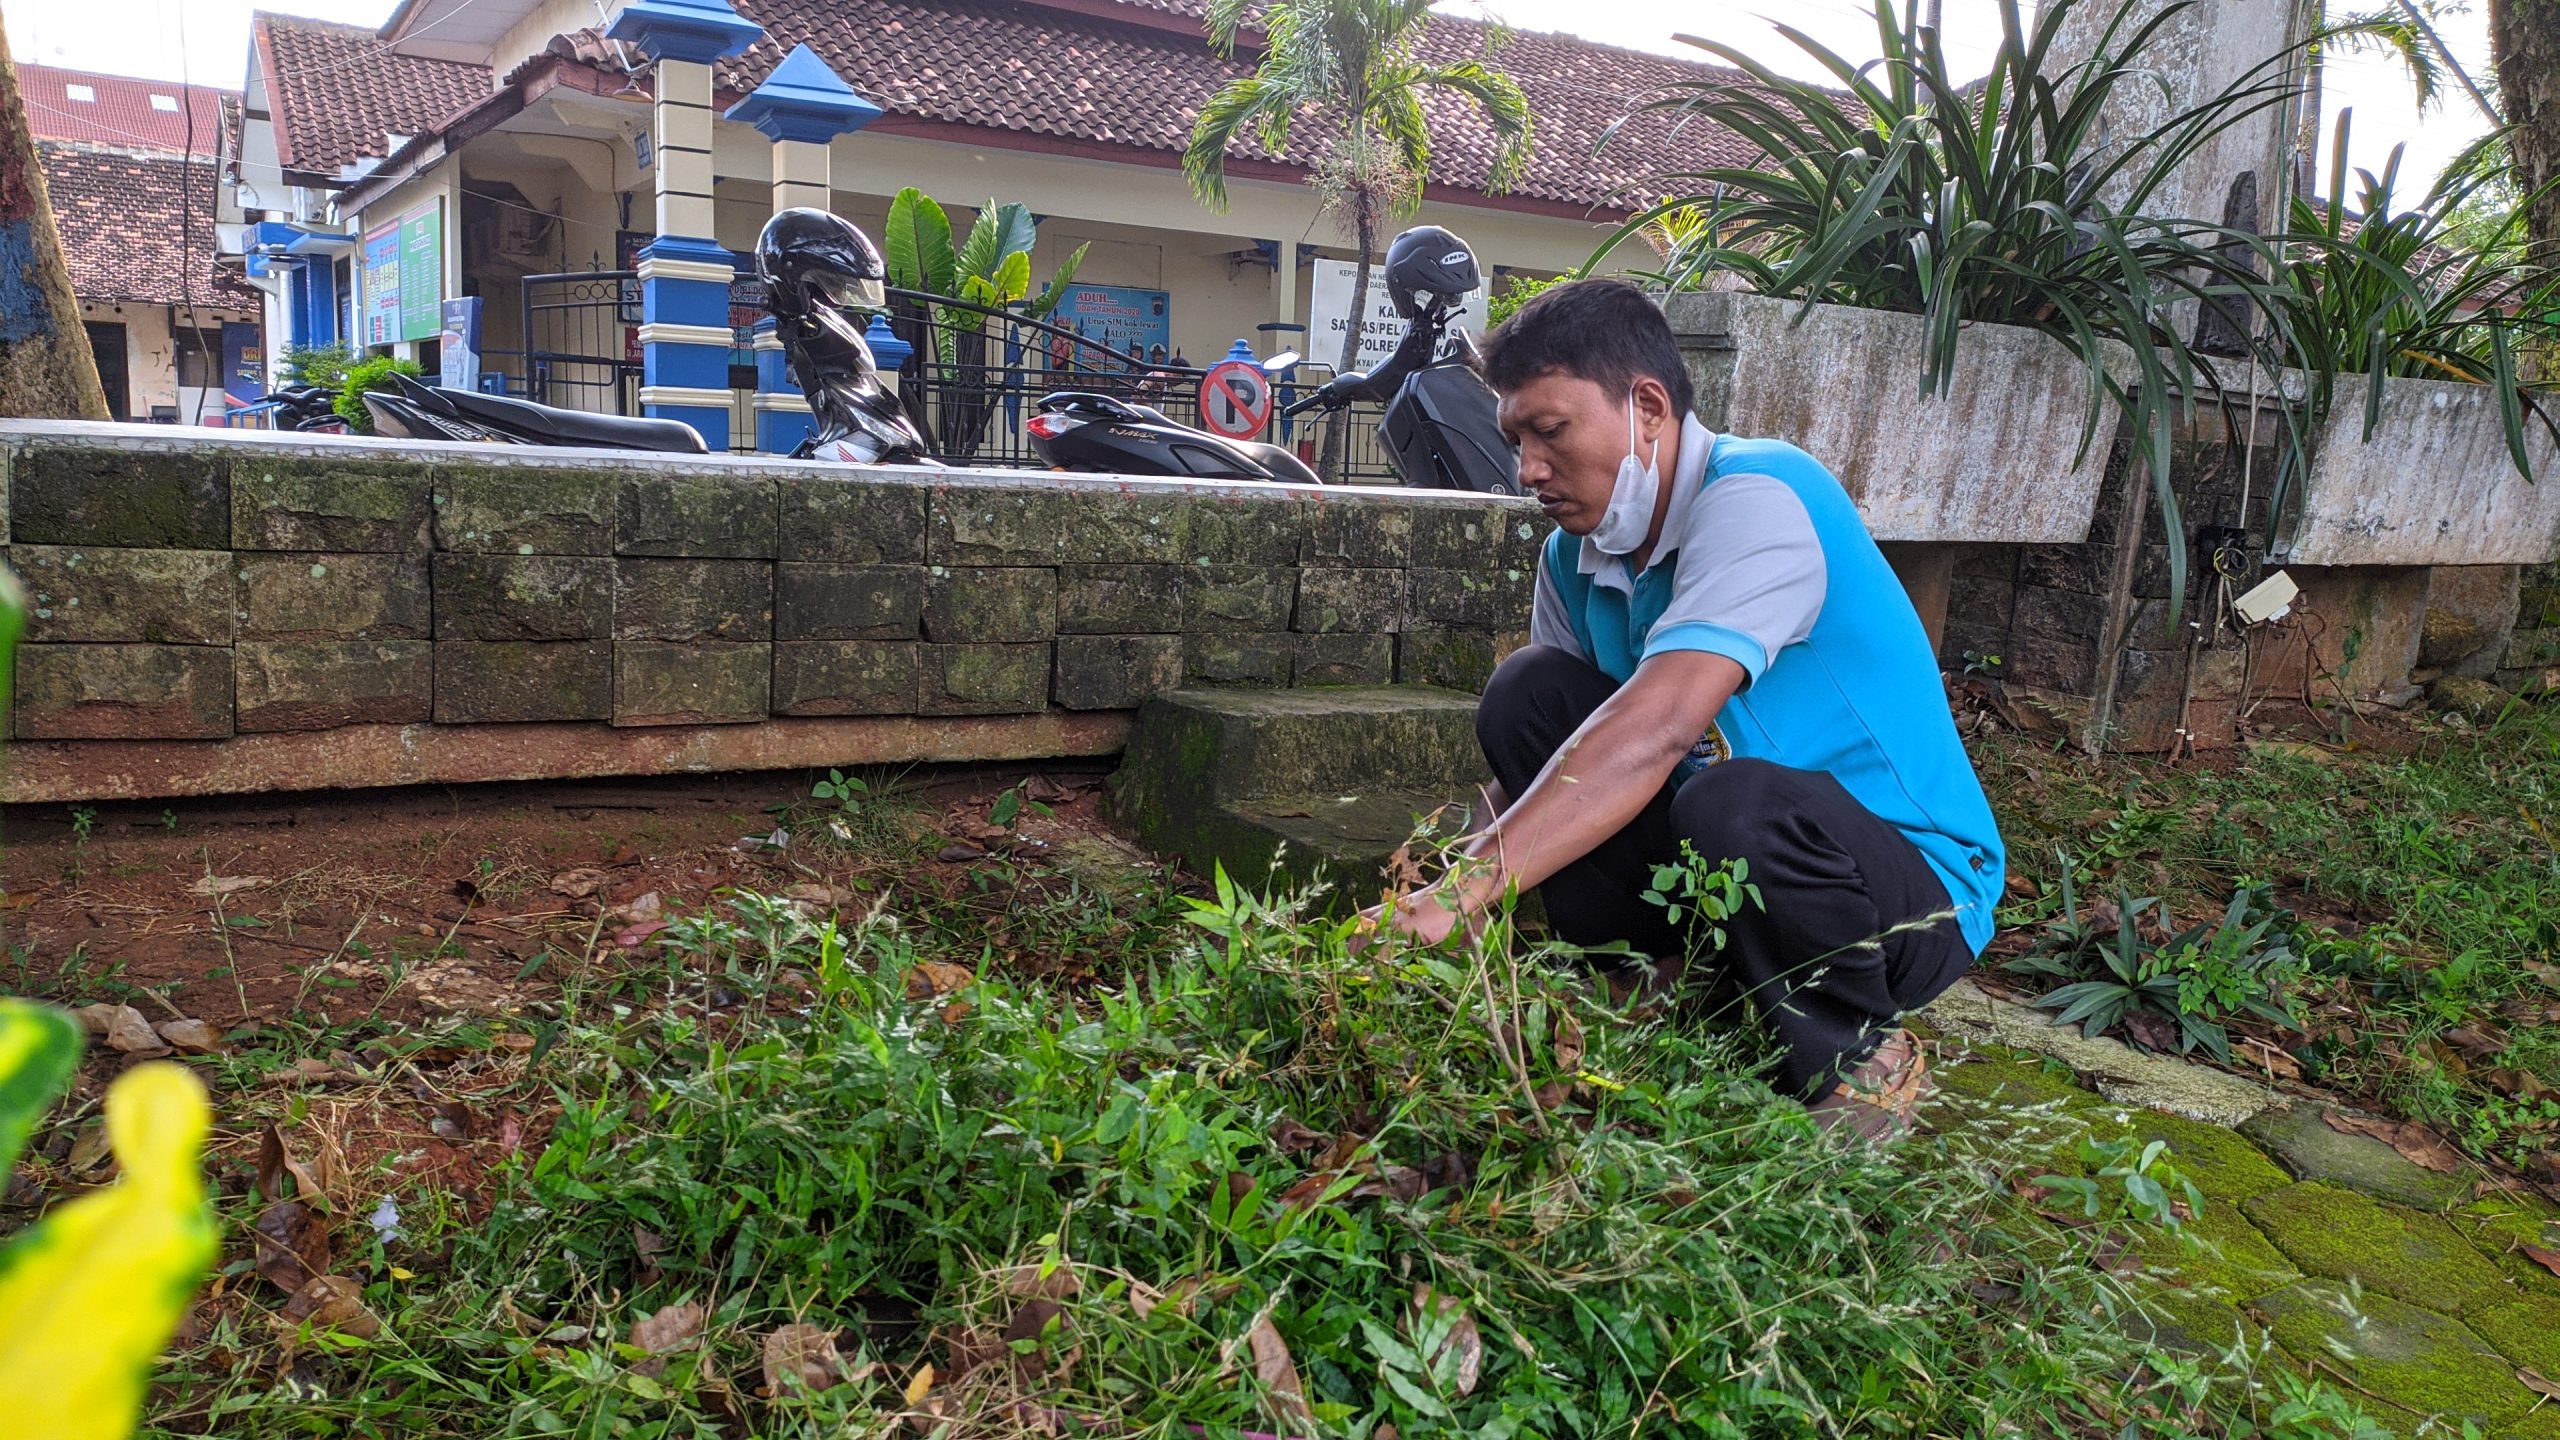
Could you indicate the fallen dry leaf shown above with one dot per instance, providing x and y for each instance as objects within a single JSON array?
[
  {"x": 1026, "y": 1282},
  {"x": 813, "y": 895},
  {"x": 189, "y": 1037},
  {"x": 2352, "y": 1124},
  {"x": 921, "y": 1385},
  {"x": 1273, "y": 1367},
  {"x": 1025, "y": 1334},
  {"x": 215, "y": 885},
  {"x": 1289, "y": 1136},
  {"x": 90, "y": 1149},
  {"x": 2273, "y": 1060},
  {"x": 577, "y": 884},
  {"x": 2427, "y": 1148},
  {"x": 1464, "y": 1337},
  {"x": 2534, "y": 1382},
  {"x": 293, "y": 1245},
  {"x": 121, "y": 1026},
  {"x": 275, "y": 1161},
  {"x": 1308, "y": 1191},
  {"x": 648, "y": 1247},
  {"x": 2547, "y": 1259},
  {"x": 959, "y": 854},
  {"x": 1568, "y": 1042},
  {"x": 334, "y": 1302},
  {"x": 672, "y": 1328},
  {"x": 932, "y": 978},
  {"x": 801, "y": 1355}
]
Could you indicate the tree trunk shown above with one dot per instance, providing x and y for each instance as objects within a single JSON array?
[
  {"x": 2306, "y": 138},
  {"x": 46, "y": 370},
  {"x": 1338, "y": 431},
  {"x": 2524, "y": 37}
]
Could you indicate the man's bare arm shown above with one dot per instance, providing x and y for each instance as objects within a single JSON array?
[{"x": 1604, "y": 775}]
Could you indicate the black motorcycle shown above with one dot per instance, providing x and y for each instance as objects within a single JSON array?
[
  {"x": 1440, "y": 426},
  {"x": 1083, "y": 431},
  {"x": 414, "y": 410}
]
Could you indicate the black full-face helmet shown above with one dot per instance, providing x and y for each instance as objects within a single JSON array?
[
  {"x": 807, "y": 255},
  {"x": 1429, "y": 267}
]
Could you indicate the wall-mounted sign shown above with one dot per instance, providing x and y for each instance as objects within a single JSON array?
[
  {"x": 458, "y": 345},
  {"x": 403, "y": 262},
  {"x": 1135, "y": 323},
  {"x": 1329, "y": 315}
]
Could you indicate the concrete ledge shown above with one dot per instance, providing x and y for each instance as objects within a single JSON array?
[
  {"x": 2435, "y": 486},
  {"x": 365, "y": 756},
  {"x": 1997, "y": 459}
]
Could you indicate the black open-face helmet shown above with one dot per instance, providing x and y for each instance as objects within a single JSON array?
[
  {"x": 808, "y": 256},
  {"x": 1428, "y": 267}
]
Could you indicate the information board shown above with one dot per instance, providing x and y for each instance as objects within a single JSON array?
[
  {"x": 1134, "y": 323},
  {"x": 1329, "y": 314},
  {"x": 403, "y": 267}
]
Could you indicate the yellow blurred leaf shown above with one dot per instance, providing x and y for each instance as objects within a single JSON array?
[{"x": 921, "y": 1385}]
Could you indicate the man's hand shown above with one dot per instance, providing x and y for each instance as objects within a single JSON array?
[{"x": 1424, "y": 917}]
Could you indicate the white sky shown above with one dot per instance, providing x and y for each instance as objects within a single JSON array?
[{"x": 207, "y": 41}]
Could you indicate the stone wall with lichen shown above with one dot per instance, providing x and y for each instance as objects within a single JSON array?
[{"x": 189, "y": 587}]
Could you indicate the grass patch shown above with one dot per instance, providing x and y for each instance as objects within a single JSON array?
[{"x": 1262, "y": 1185}]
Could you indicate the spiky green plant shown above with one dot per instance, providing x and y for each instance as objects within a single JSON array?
[
  {"x": 2430, "y": 291},
  {"x": 1904, "y": 186}
]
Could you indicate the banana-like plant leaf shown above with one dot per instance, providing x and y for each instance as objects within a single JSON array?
[
  {"x": 1056, "y": 290},
  {"x": 917, "y": 245}
]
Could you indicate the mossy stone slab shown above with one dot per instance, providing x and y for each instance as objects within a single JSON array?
[
  {"x": 2408, "y": 1256},
  {"x": 2303, "y": 1142},
  {"x": 2526, "y": 1331},
  {"x": 2500, "y": 1226},
  {"x": 2430, "y": 1363}
]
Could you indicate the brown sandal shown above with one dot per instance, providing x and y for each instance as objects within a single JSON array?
[{"x": 1881, "y": 1099}]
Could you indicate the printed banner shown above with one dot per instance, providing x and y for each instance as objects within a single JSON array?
[
  {"x": 1329, "y": 315},
  {"x": 1135, "y": 323}
]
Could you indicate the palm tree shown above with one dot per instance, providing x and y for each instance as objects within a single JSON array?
[{"x": 1355, "y": 66}]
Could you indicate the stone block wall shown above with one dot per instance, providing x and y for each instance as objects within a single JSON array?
[{"x": 220, "y": 590}]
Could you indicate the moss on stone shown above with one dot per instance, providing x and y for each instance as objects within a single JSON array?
[
  {"x": 2526, "y": 1331},
  {"x": 2226, "y": 1167},
  {"x": 2302, "y": 1139},
  {"x": 2397, "y": 1352},
  {"x": 2407, "y": 1256},
  {"x": 2499, "y": 1226},
  {"x": 2010, "y": 1079}
]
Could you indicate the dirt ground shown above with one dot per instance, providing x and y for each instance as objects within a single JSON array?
[{"x": 402, "y": 905}]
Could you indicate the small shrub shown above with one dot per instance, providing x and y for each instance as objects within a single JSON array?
[
  {"x": 2182, "y": 990},
  {"x": 367, "y": 375}
]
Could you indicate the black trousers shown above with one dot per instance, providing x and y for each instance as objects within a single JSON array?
[{"x": 1833, "y": 878}]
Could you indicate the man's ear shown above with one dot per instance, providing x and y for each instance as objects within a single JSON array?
[{"x": 1655, "y": 412}]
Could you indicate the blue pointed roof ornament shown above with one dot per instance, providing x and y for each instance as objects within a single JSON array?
[
  {"x": 804, "y": 99},
  {"x": 697, "y": 30}
]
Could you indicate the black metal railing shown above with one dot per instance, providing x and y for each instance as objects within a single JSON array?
[
  {"x": 577, "y": 341},
  {"x": 969, "y": 390}
]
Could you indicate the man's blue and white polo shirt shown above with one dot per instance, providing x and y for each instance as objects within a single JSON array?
[{"x": 1765, "y": 561}]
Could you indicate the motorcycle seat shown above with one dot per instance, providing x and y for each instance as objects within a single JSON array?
[{"x": 578, "y": 427}]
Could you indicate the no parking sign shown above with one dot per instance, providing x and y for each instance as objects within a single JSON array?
[{"x": 1235, "y": 399}]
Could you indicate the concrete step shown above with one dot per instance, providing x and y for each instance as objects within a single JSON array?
[{"x": 1328, "y": 783}]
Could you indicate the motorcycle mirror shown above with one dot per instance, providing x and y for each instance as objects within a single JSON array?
[{"x": 1280, "y": 362}]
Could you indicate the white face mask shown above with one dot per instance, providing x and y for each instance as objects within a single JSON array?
[{"x": 1630, "y": 514}]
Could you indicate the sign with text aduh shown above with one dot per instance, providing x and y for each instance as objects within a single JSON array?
[{"x": 1329, "y": 315}]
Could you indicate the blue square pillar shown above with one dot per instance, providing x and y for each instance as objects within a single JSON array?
[{"x": 684, "y": 274}]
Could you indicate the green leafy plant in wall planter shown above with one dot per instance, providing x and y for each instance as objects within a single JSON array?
[
  {"x": 1903, "y": 185},
  {"x": 2436, "y": 290},
  {"x": 989, "y": 270}
]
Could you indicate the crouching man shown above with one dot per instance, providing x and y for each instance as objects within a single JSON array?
[{"x": 1720, "y": 655}]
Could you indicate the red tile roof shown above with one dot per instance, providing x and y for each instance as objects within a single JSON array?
[
  {"x": 336, "y": 91},
  {"x": 121, "y": 110},
  {"x": 1074, "y": 72},
  {"x": 119, "y": 214}
]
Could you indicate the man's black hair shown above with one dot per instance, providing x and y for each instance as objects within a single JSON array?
[{"x": 1603, "y": 331}]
